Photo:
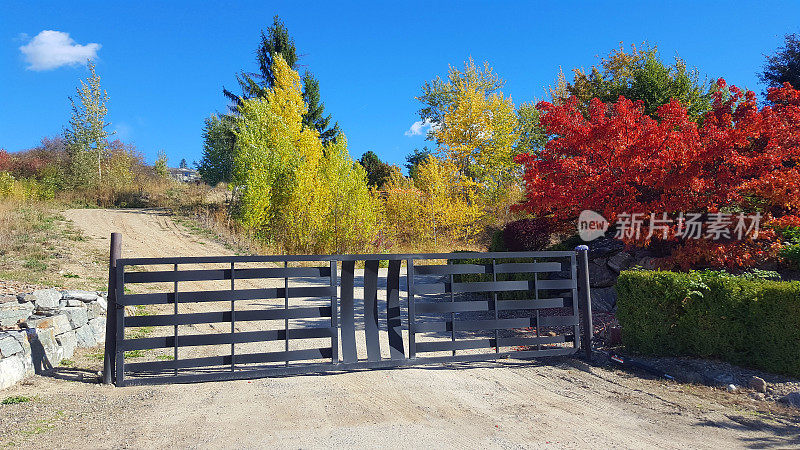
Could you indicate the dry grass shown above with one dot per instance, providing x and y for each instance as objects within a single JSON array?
[
  {"x": 147, "y": 192},
  {"x": 213, "y": 221},
  {"x": 24, "y": 248},
  {"x": 40, "y": 247}
]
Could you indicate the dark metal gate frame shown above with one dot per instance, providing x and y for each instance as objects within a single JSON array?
[{"x": 116, "y": 345}]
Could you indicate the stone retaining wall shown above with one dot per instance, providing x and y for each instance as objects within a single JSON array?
[
  {"x": 40, "y": 329},
  {"x": 607, "y": 258}
]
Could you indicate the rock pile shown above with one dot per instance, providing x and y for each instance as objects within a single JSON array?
[
  {"x": 607, "y": 258},
  {"x": 40, "y": 329}
]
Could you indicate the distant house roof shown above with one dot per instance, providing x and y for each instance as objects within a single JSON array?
[
  {"x": 180, "y": 174},
  {"x": 177, "y": 170}
]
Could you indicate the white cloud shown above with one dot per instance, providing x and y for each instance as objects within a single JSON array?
[
  {"x": 52, "y": 49},
  {"x": 419, "y": 128}
]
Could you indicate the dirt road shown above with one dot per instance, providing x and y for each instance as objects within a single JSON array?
[
  {"x": 146, "y": 233},
  {"x": 559, "y": 403}
]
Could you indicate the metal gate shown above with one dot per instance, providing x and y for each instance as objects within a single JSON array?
[{"x": 283, "y": 315}]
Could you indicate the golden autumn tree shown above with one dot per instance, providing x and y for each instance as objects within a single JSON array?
[
  {"x": 440, "y": 204},
  {"x": 401, "y": 207},
  {"x": 475, "y": 126},
  {"x": 449, "y": 198},
  {"x": 478, "y": 135},
  {"x": 296, "y": 192}
]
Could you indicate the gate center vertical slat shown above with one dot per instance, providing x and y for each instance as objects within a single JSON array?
[
  {"x": 233, "y": 320},
  {"x": 286, "y": 309},
  {"x": 412, "y": 341},
  {"x": 393, "y": 322},
  {"x": 334, "y": 315},
  {"x": 175, "y": 312},
  {"x": 371, "y": 310},
  {"x": 349, "y": 353}
]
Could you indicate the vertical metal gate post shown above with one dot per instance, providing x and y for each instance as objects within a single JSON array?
[
  {"x": 119, "y": 327},
  {"x": 585, "y": 299},
  {"x": 115, "y": 253}
]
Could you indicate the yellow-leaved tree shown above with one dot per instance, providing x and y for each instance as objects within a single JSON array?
[
  {"x": 294, "y": 191},
  {"x": 478, "y": 134},
  {"x": 475, "y": 126},
  {"x": 440, "y": 204}
]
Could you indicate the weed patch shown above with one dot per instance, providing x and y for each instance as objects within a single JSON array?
[
  {"x": 135, "y": 354},
  {"x": 16, "y": 399}
]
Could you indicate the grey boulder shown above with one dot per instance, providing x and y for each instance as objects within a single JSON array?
[
  {"x": 83, "y": 296},
  {"x": 13, "y": 312},
  {"x": 604, "y": 299},
  {"x": 44, "y": 299}
]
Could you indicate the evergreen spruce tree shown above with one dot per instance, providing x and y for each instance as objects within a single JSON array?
[{"x": 276, "y": 41}]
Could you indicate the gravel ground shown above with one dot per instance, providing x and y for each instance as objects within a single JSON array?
[
  {"x": 557, "y": 402},
  {"x": 8, "y": 287}
]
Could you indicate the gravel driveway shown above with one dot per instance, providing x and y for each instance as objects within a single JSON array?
[{"x": 557, "y": 402}]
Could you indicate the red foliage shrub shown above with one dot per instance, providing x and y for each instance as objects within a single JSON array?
[
  {"x": 36, "y": 162},
  {"x": 5, "y": 161},
  {"x": 620, "y": 160},
  {"x": 527, "y": 234}
]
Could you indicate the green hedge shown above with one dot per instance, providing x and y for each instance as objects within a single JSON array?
[
  {"x": 791, "y": 250},
  {"x": 743, "y": 320}
]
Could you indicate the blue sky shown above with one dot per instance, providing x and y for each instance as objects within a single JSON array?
[{"x": 164, "y": 63}]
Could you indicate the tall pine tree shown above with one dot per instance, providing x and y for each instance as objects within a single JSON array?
[
  {"x": 315, "y": 116},
  {"x": 276, "y": 41},
  {"x": 784, "y": 65},
  {"x": 219, "y": 132}
]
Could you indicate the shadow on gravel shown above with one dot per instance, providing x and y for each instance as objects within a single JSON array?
[
  {"x": 517, "y": 363},
  {"x": 783, "y": 435},
  {"x": 72, "y": 374}
]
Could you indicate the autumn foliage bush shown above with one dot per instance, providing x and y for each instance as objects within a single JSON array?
[
  {"x": 738, "y": 159},
  {"x": 439, "y": 205},
  {"x": 527, "y": 234},
  {"x": 46, "y": 172}
]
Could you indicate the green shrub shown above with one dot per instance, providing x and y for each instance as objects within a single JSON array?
[
  {"x": 745, "y": 320},
  {"x": 497, "y": 244},
  {"x": 791, "y": 251}
]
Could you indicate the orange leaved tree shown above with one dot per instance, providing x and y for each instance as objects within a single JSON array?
[{"x": 619, "y": 160}]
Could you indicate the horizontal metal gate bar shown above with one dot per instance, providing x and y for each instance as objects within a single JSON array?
[{"x": 360, "y": 365}]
